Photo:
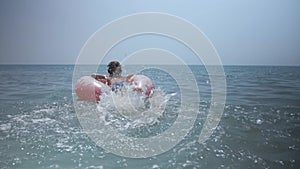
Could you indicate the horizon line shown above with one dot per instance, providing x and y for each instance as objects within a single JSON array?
[{"x": 71, "y": 64}]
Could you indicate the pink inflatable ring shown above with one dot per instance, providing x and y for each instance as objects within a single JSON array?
[{"x": 89, "y": 89}]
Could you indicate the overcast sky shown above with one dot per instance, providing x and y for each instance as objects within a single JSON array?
[{"x": 244, "y": 32}]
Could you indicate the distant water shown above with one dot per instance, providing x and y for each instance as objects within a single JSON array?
[{"x": 260, "y": 127}]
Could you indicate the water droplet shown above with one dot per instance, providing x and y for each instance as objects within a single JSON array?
[
  {"x": 155, "y": 166},
  {"x": 259, "y": 121}
]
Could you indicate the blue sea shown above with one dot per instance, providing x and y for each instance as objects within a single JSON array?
[{"x": 259, "y": 128}]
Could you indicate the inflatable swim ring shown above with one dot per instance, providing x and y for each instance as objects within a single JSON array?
[
  {"x": 142, "y": 84},
  {"x": 90, "y": 89}
]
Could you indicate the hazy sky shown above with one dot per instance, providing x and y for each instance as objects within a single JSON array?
[{"x": 264, "y": 32}]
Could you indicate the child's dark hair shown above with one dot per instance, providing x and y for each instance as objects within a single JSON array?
[{"x": 112, "y": 66}]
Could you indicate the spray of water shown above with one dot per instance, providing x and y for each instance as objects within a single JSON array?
[{"x": 129, "y": 109}]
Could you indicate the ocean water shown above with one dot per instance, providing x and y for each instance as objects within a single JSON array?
[{"x": 260, "y": 126}]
